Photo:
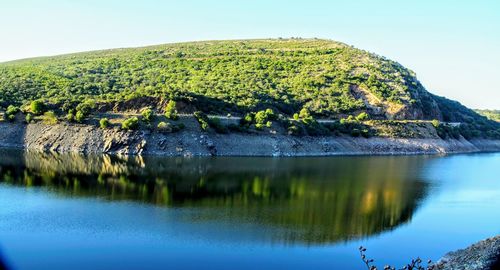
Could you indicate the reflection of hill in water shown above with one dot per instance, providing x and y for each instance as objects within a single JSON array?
[{"x": 312, "y": 200}]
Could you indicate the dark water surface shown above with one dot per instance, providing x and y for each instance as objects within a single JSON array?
[{"x": 104, "y": 212}]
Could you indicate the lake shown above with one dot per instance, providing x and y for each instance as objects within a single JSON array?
[{"x": 105, "y": 212}]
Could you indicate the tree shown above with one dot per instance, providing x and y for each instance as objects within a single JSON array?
[
  {"x": 171, "y": 111},
  {"x": 202, "y": 119},
  {"x": 164, "y": 127},
  {"x": 37, "y": 107},
  {"x": 362, "y": 116},
  {"x": 147, "y": 115},
  {"x": 130, "y": 123},
  {"x": 435, "y": 123},
  {"x": 104, "y": 123},
  {"x": 49, "y": 118},
  {"x": 12, "y": 110},
  {"x": 29, "y": 118},
  {"x": 79, "y": 116}
]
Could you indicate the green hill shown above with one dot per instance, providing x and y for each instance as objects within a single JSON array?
[{"x": 329, "y": 79}]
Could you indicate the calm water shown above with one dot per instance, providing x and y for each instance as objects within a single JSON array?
[{"x": 103, "y": 212}]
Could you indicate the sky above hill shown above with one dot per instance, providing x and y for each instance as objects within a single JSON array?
[{"x": 452, "y": 45}]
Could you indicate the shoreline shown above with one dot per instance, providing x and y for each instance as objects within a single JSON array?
[{"x": 88, "y": 139}]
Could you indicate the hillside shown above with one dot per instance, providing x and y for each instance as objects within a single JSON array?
[
  {"x": 490, "y": 114},
  {"x": 324, "y": 79}
]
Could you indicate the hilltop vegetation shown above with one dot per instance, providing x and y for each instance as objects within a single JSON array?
[
  {"x": 326, "y": 78},
  {"x": 490, "y": 114}
]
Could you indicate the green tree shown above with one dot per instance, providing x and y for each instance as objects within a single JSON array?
[
  {"x": 49, "y": 118},
  {"x": 29, "y": 118},
  {"x": 147, "y": 115},
  {"x": 37, "y": 107},
  {"x": 130, "y": 123},
  {"x": 171, "y": 110},
  {"x": 79, "y": 117},
  {"x": 435, "y": 123},
  {"x": 362, "y": 117},
  {"x": 202, "y": 119},
  {"x": 164, "y": 127},
  {"x": 104, "y": 123}
]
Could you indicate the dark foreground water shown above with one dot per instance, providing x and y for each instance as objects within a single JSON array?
[{"x": 74, "y": 212}]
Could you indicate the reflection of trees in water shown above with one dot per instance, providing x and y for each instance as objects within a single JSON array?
[{"x": 313, "y": 200}]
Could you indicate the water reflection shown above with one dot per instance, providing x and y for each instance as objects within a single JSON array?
[{"x": 311, "y": 200}]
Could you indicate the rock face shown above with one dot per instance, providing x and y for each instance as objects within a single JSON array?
[
  {"x": 90, "y": 139},
  {"x": 484, "y": 255}
]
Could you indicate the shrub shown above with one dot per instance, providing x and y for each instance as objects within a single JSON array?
[
  {"x": 202, "y": 119},
  {"x": 362, "y": 117},
  {"x": 29, "y": 118},
  {"x": 70, "y": 117},
  {"x": 147, "y": 115},
  {"x": 12, "y": 110},
  {"x": 304, "y": 113},
  {"x": 86, "y": 107},
  {"x": 171, "y": 111},
  {"x": 435, "y": 123},
  {"x": 164, "y": 127},
  {"x": 37, "y": 107},
  {"x": 247, "y": 120},
  {"x": 79, "y": 116},
  {"x": 260, "y": 118},
  {"x": 104, "y": 123},
  {"x": 130, "y": 123},
  {"x": 49, "y": 118}
]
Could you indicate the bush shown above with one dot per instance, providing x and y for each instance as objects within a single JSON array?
[
  {"x": 86, "y": 107},
  {"x": 12, "y": 110},
  {"x": 171, "y": 111},
  {"x": 70, "y": 117},
  {"x": 37, "y": 107},
  {"x": 362, "y": 117},
  {"x": 130, "y": 123},
  {"x": 260, "y": 118},
  {"x": 49, "y": 118},
  {"x": 104, "y": 123},
  {"x": 435, "y": 123},
  {"x": 247, "y": 120},
  {"x": 79, "y": 116},
  {"x": 164, "y": 127},
  {"x": 147, "y": 115},
  {"x": 202, "y": 119},
  {"x": 29, "y": 118}
]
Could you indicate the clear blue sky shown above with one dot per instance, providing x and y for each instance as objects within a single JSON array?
[{"x": 453, "y": 45}]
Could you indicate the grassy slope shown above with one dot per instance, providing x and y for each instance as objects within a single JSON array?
[{"x": 328, "y": 78}]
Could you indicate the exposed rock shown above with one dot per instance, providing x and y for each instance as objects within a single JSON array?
[
  {"x": 91, "y": 139},
  {"x": 484, "y": 255}
]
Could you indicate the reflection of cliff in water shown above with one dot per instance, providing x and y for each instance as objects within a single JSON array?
[{"x": 313, "y": 200}]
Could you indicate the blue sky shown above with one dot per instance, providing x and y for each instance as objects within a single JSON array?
[{"x": 453, "y": 46}]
